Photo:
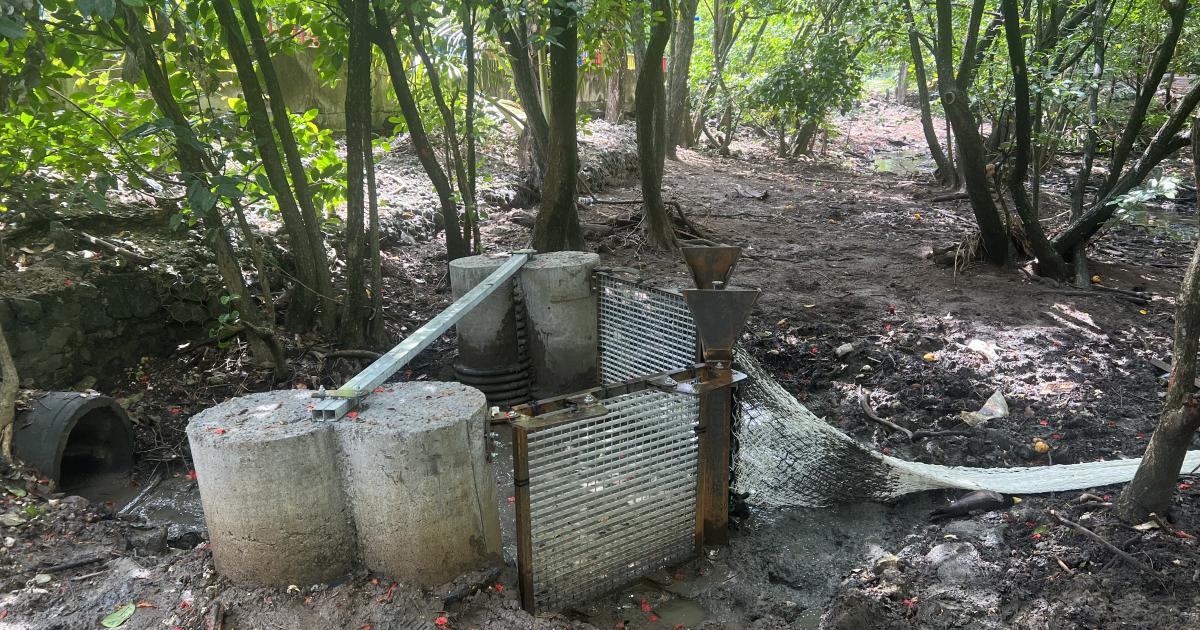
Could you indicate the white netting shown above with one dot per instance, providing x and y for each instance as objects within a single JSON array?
[{"x": 787, "y": 456}]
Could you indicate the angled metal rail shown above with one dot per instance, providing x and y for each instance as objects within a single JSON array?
[{"x": 339, "y": 402}]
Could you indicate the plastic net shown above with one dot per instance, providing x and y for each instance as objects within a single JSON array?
[{"x": 784, "y": 454}]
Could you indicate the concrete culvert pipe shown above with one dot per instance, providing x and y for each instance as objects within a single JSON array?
[
  {"x": 401, "y": 487},
  {"x": 71, "y": 437},
  {"x": 561, "y": 309},
  {"x": 418, "y": 482},
  {"x": 271, "y": 490},
  {"x": 491, "y": 344}
]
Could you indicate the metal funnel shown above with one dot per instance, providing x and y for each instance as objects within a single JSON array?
[
  {"x": 719, "y": 317},
  {"x": 710, "y": 265}
]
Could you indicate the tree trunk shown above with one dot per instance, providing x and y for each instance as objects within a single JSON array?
[
  {"x": 512, "y": 32},
  {"x": 356, "y": 313},
  {"x": 1164, "y": 143},
  {"x": 1153, "y": 486},
  {"x": 472, "y": 202},
  {"x": 649, "y": 106},
  {"x": 193, "y": 172},
  {"x": 10, "y": 383},
  {"x": 376, "y": 332},
  {"x": 283, "y": 127},
  {"x": 1050, "y": 264},
  {"x": 1177, "y": 11},
  {"x": 416, "y": 31},
  {"x": 381, "y": 34},
  {"x": 970, "y": 145},
  {"x": 1079, "y": 254},
  {"x": 301, "y": 313},
  {"x": 678, "y": 76},
  {"x": 944, "y": 168},
  {"x": 902, "y": 82},
  {"x": 557, "y": 224},
  {"x": 614, "y": 102}
]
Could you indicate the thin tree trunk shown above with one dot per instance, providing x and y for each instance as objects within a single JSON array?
[
  {"x": 678, "y": 76},
  {"x": 1050, "y": 264},
  {"x": 1177, "y": 11},
  {"x": 9, "y": 385},
  {"x": 260, "y": 260},
  {"x": 970, "y": 145},
  {"x": 1153, "y": 487},
  {"x": 649, "y": 105},
  {"x": 302, "y": 312},
  {"x": 299, "y": 176},
  {"x": 472, "y": 203},
  {"x": 557, "y": 224},
  {"x": 1164, "y": 143},
  {"x": 902, "y": 82},
  {"x": 614, "y": 101},
  {"x": 511, "y": 30},
  {"x": 193, "y": 172},
  {"x": 945, "y": 168},
  {"x": 356, "y": 313},
  {"x": 416, "y": 33},
  {"x": 381, "y": 34},
  {"x": 376, "y": 332},
  {"x": 1079, "y": 254}
]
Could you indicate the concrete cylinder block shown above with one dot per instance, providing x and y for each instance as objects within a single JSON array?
[
  {"x": 418, "y": 481},
  {"x": 487, "y": 336},
  {"x": 271, "y": 490},
  {"x": 562, "y": 319}
]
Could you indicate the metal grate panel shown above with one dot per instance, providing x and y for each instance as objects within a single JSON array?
[
  {"x": 643, "y": 330},
  {"x": 609, "y": 498}
]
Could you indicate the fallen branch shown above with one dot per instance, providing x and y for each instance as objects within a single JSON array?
[
  {"x": 866, "y": 407},
  {"x": 353, "y": 354},
  {"x": 954, "y": 196},
  {"x": 913, "y": 436},
  {"x": 113, "y": 248},
  {"x": 1133, "y": 562},
  {"x": 124, "y": 511}
]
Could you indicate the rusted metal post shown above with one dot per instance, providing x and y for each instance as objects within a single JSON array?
[
  {"x": 520, "y": 437},
  {"x": 712, "y": 498},
  {"x": 719, "y": 314}
]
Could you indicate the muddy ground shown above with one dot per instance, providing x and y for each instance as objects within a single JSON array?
[{"x": 841, "y": 247}]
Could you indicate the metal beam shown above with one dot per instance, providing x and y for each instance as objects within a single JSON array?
[{"x": 340, "y": 401}]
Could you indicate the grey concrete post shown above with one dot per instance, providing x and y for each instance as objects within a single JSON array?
[
  {"x": 403, "y": 488},
  {"x": 419, "y": 486},
  {"x": 487, "y": 336},
  {"x": 271, "y": 490},
  {"x": 562, "y": 320}
]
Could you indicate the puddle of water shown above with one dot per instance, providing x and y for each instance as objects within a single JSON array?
[
  {"x": 903, "y": 164},
  {"x": 115, "y": 488},
  {"x": 1174, "y": 221},
  {"x": 681, "y": 612},
  {"x": 174, "y": 504}
]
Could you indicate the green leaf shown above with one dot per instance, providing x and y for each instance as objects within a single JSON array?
[
  {"x": 200, "y": 198},
  {"x": 106, "y": 9},
  {"x": 97, "y": 200},
  {"x": 119, "y": 616},
  {"x": 16, "y": 491},
  {"x": 134, "y": 3},
  {"x": 10, "y": 28}
]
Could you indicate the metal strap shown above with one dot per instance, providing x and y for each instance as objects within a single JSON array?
[{"x": 340, "y": 401}]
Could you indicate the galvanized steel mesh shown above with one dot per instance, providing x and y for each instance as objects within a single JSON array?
[
  {"x": 784, "y": 454},
  {"x": 643, "y": 330},
  {"x": 612, "y": 498}
]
